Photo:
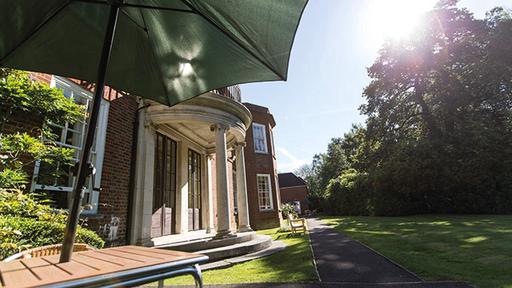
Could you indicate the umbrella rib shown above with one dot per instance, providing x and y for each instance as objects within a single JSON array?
[
  {"x": 154, "y": 56},
  {"x": 138, "y": 6},
  {"x": 234, "y": 39},
  {"x": 159, "y": 8},
  {"x": 35, "y": 31},
  {"x": 133, "y": 20}
]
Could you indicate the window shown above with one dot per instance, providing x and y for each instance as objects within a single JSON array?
[
  {"x": 264, "y": 192},
  {"x": 260, "y": 138},
  {"x": 58, "y": 179}
]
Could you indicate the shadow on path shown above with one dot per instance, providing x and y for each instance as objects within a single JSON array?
[{"x": 341, "y": 259}]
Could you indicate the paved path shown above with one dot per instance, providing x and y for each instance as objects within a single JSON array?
[
  {"x": 341, "y": 259},
  {"x": 344, "y": 263}
]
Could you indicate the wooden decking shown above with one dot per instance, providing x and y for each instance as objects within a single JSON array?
[{"x": 112, "y": 265}]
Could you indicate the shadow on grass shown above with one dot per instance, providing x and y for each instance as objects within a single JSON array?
[
  {"x": 289, "y": 235},
  {"x": 473, "y": 248},
  {"x": 293, "y": 264}
]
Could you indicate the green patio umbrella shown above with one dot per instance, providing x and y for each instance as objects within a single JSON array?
[{"x": 164, "y": 50}]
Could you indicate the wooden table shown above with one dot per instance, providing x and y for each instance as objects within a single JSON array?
[{"x": 112, "y": 267}]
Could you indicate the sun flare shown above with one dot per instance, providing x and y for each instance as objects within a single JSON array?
[{"x": 395, "y": 19}]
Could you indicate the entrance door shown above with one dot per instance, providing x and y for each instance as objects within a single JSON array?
[
  {"x": 164, "y": 193},
  {"x": 194, "y": 190}
]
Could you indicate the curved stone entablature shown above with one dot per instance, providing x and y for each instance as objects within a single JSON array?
[{"x": 194, "y": 118}]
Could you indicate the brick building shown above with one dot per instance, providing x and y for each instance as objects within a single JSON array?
[
  {"x": 164, "y": 172},
  {"x": 293, "y": 189},
  {"x": 262, "y": 183}
]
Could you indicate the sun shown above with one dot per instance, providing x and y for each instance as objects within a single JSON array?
[{"x": 395, "y": 19}]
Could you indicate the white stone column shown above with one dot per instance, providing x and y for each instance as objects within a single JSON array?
[
  {"x": 143, "y": 196},
  {"x": 209, "y": 189},
  {"x": 241, "y": 185},
  {"x": 221, "y": 169},
  {"x": 182, "y": 190}
]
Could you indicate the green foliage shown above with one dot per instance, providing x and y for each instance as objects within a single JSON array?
[
  {"x": 27, "y": 221},
  {"x": 10, "y": 178},
  {"x": 19, "y": 94},
  {"x": 16, "y": 203},
  {"x": 288, "y": 209},
  {"x": 19, "y": 150},
  {"x": 438, "y": 134},
  {"x": 347, "y": 194},
  {"x": 19, "y": 233}
]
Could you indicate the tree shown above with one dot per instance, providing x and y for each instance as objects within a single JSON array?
[
  {"x": 438, "y": 134},
  {"x": 439, "y": 113}
]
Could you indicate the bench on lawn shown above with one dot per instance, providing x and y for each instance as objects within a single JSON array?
[
  {"x": 113, "y": 267},
  {"x": 296, "y": 224}
]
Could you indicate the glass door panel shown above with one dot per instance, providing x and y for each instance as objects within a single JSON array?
[
  {"x": 194, "y": 190},
  {"x": 164, "y": 192}
]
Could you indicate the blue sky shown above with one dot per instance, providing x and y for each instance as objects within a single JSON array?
[{"x": 336, "y": 41}]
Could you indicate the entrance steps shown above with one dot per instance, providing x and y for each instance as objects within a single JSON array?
[{"x": 218, "y": 249}]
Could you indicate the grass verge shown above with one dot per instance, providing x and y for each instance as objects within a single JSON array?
[
  {"x": 293, "y": 264},
  {"x": 472, "y": 248}
]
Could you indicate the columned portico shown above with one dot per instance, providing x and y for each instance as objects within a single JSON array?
[
  {"x": 243, "y": 208},
  {"x": 221, "y": 169},
  {"x": 186, "y": 187}
]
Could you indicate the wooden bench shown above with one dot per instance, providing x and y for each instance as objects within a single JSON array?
[
  {"x": 296, "y": 224},
  {"x": 112, "y": 267}
]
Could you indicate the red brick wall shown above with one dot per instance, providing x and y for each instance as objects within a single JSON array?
[
  {"x": 115, "y": 181},
  {"x": 257, "y": 163},
  {"x": 295, "y": 193}
]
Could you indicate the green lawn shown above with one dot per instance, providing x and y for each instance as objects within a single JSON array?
[
  {"x": 475, "y": 248},
  {"x": 293, "y": 264}
]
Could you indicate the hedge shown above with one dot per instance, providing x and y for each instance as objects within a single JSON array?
[{"x": 19, "y": 233}]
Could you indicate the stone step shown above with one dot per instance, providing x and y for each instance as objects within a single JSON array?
[
  {"x": 209, "y": 243},
  {"x": 275, "y": 247},
  {"x": 260, "y": 242}
]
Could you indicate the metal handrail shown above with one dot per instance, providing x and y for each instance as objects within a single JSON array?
[{"x": 232, "y": 92}]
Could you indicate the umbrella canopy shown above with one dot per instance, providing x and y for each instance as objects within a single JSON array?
[{"x": 164, "y": 50}]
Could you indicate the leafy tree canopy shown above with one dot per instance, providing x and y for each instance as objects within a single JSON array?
[{"x": 438, "y": 135}]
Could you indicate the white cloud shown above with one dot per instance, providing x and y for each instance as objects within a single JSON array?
[{"x": 289, "y": 164}]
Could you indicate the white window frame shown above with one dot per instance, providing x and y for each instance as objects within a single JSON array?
[
  {"x": 270, "y": 197},
  {"x": 97, "y": 153},
  {"x": 255, "y": 127},
  {"x": 271, "y": 133}
]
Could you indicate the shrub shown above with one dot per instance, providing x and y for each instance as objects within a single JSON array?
[
  {"x": 27, "y": 221},
  {"x": 19, "y": 233},
  {"x": 16, "y": 203},
  {"x": 348, "y": 194},
  {"x": 288, "y": 209}
]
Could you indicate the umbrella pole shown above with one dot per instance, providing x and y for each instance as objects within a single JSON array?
[{"x": 83, "y": 169}]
